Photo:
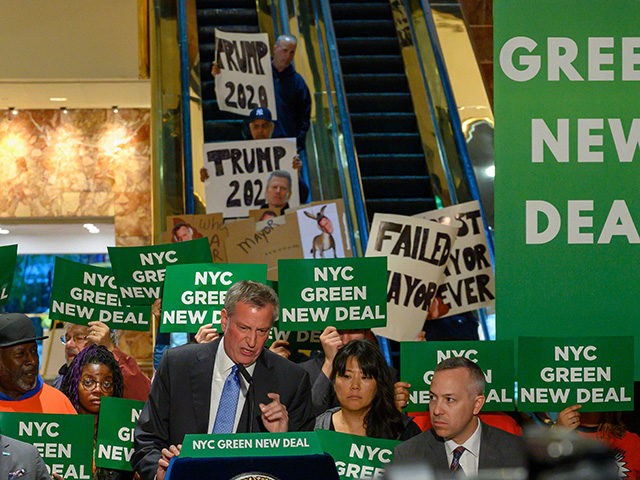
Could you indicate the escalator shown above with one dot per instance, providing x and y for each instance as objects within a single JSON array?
[
  {"x": 390, "y": 154},
  {"x": 231, "y": 16}
]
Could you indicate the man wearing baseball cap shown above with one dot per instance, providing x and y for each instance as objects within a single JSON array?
[{"x": 21, "y": 387}]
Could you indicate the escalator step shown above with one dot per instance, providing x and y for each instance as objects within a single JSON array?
[
  {"x": 371, "y": 82},
  {"x": 386, "y": 164},
  {"x": 372, "y": 102},
  {"x": 365, "y": 46},
  {"x": 400, "y": 206},
  {"x": 361, "y": 10},
  {"x": 227, "y": 16},
  {"x": 384, "y": 122},
  {"x": 363, "y": 28},
  {"x": 222, "y": 131},
  {"x": 208, "y": 32},
  {"x": 226, "y": 4},
  {"x": 388, "y": 143},
  {"x": 395, "y": 187},
  {"x": 371, "y": 64}
]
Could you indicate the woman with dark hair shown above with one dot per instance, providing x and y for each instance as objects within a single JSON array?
[
  {"x": 93, "y": 374},
  {"x": 364, "y": 389}
]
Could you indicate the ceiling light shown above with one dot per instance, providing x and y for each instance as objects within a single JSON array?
[
  {"x": 114, "y": 109},
  {"x": 13, "y": 111},
  {"x": 64, "y": 110},
  {"x": 91, "y": 228},
  {"x": 4, "y": 231},
  {"x": 58, "y": 99},
  {"x": 490, "y": 171}
]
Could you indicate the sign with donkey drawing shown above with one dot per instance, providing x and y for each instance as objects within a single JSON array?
[
  {"x": 347, "y": 293},
  {"x": 320, "y": 231}
]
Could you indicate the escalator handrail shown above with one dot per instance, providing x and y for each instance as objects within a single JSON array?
[
  {"x": 185, "y": 107},
  {"x": 345, "y": 121}
]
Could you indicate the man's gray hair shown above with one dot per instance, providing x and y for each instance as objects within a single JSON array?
[
  {"x": 281, "y": 174},
  {"x": 286, "y": 38},
  {"x": 477, "y": 376},
  {"x": 252, "y": 293}
]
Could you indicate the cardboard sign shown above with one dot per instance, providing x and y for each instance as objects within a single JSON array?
[
  {"x": 356, "y": 456},
  {"x": 245, "y": 81},
  {"x": 417, "y": 253},
  {"x": 194, "y": 294},
  {"x": 596, "y": 372},
  {"x": 65, "y": 442},
  {"x": 284, "y": 444},
  {"x": 140, "y": 271},
  {"x": 8, "y": 257},
  {"x": 348, "y": 293},
  {"x": 190, "y": 227},
  {"x": 239, "y": 171},
  {"x": 114, "y": 442},
  {"x": 83, "y": 293},
  {"x": 419, "y": 359},
  {"x": 469, "y": 280},
  {"x": 567, "y": 209}
]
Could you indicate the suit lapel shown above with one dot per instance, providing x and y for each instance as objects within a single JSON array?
[
  {"x": 488, "y": 453},
  {"x": 201, "y": 374}
]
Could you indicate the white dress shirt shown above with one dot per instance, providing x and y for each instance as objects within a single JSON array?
[{"x": 469, "y": 458}]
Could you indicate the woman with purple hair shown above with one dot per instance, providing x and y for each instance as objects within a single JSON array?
[{"x": 93, "y": 374}]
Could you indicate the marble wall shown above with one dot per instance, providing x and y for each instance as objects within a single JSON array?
[{"x": 79, "y": 164}]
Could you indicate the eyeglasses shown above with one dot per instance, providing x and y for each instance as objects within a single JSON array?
[
  {"x": 76, "y": 339},
  {"x": 89, "y": 384}
]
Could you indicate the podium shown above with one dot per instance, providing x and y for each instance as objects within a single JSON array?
[{"x": 252, "y": 456}]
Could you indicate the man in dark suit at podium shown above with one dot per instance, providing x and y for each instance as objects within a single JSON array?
[{"x": 240, "y": 387}]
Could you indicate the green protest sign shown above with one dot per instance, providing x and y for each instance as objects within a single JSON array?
[
  {"x": 300, "y": 340},
  {"x": 595, "y": 372},
  {"x": 251, "y": 445},
  {"x": 567, "y": 156},
  {"x": 140, "y": 271},
  {"x": 8, "y": 256},
  {"x": 419, "y": 359},
  {"x": 344, "y": 292},
  {"x": 83, "y": 293},
  {"x": 65, "y": 442},
  {"x": 114, "y": 442},
  {"x": 194, "y": 293},
  {"x": 356, "y": 456}
]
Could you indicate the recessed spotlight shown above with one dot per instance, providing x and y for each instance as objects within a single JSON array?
[
  {"x": 114, "y": 109},
  {"x": 13, "y": 111},
  {"x": 4, "y": 231},
  {"x": 91, "y": 228},
  {"x": 58, "y": 99},
  {"x": 490, "y": 171},
  {"x": 64, "y": 110}
]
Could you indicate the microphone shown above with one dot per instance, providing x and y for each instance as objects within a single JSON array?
[{"x": 249, "y": 379}]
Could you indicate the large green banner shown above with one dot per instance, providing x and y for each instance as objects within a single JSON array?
[
  {"x": 356, "y": 456},
  {"x": 595, "y": 372},
  {"x": 567, "y": 76},
  {"x": 496, "y": 359},
  {"x": 65, "y": 442},
  {"x": 8, "y": 256},
  {"x": 140, "y": 271},
  {"x": 194, "y": 293},
  {"x": 347, "y": 293},
  {"x": 114, "y": 442},
  {"x": 83, "y": 293}
]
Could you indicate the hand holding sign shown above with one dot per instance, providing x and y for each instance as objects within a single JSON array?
[
  {"x": 569, "y": 417},
  {"x": 274, "y": 415},
  {"x": 163, "y": 463}
]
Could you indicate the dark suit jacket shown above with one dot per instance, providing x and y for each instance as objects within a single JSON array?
[
  {"x": 16, "y": 454},
  {"x": 180, "y": 399},
  {"x": 498, "y": 449}
]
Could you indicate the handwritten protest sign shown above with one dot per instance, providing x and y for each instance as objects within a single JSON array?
[
  {"x": 190, "y": 227},
  {"x": 596, "y": 372},
  {"x": 356, "y": 456},
  {"x": 83, "y": 293},
  {"x": 8, "y": 256},
  {"x": 251, "y": 445},
  {"x": 238, "y": 173},
  {"x": 140, "y": 271},
  {"x": 114, "y": 442},
  {"x": 194, "y": 294},
  {"x": 245, "y": 80},
  {"x": 348, "y": 293},
  {"x": 65, "y": 442},
  {"x": 469, "y": 280},
  {"x": 419, "y": 359},
  {"x": 417, "y": 252}
]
